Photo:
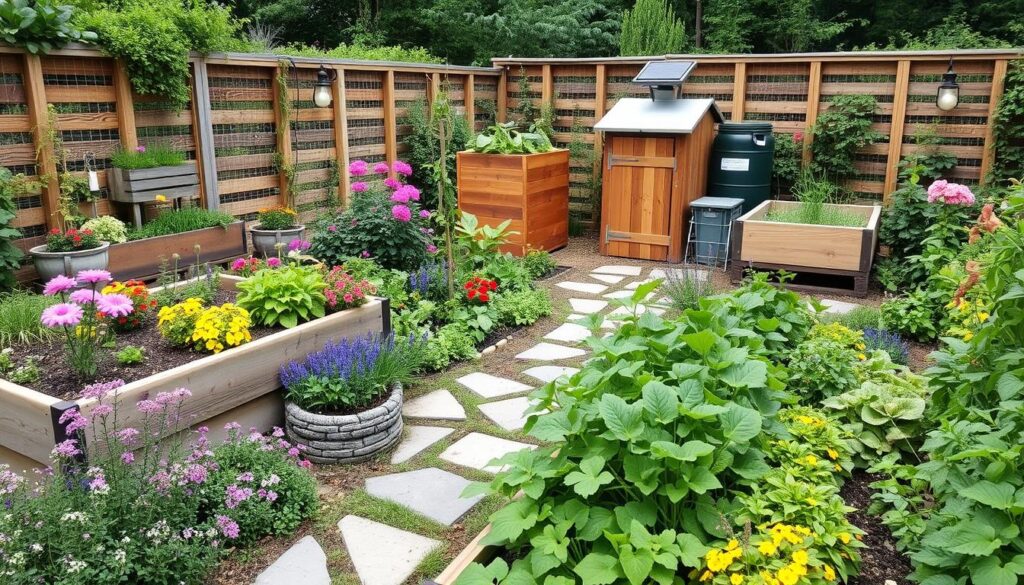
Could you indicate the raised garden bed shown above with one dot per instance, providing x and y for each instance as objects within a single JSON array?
[
  {"x": 238, "y": 381},
  {"x": 822, "y": 256},
  {"x": 530, "y": 190},
  {"x": 141, "y": 259}
]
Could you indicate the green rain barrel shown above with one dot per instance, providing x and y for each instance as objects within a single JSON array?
[{"x": 741, "y": 162}]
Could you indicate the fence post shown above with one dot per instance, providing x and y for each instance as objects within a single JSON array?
[
  {"x": 125, "y": 107},
  {"x": 390, "y": 123},
  {"x": 501, "y": 100},
  {"x": 35, "y": 101},
  {"x": 206, "y": 150},
  {"x": 547, "y": 87},
  {"x": 341, "y": 135},
  {"x": 739, "y": 92},
  {"x": 284, "y": 136},
  {"x": 988, "y": 155},
  {"x": 813, "y": 99},
  {"x": 896, "y": 128},
  {"x": 469, "y": 99}
]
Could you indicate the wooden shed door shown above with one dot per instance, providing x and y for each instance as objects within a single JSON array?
[{"x": 637, "y": 188}]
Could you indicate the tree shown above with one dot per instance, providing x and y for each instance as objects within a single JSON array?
[
  {"x": 651, "y": 28},
  {"x": 794, "y": 26},
  {"x": 727, "y": 24}
]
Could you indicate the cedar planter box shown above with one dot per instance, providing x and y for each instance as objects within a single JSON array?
[
  {"x": 142, "y": 258},
  {"x": 143, "y": 185},
  {"x": 825, "y": 254},
  {"x": 530, "y": 190},
  {"x": 240, "y": 384}
]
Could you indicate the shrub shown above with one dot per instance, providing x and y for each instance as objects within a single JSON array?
[
  {"x": 142, "y": 157},
  {"x": 786, "y": 161},
  {"x": 817, "y": 448},
  {"x": 839, "y": 132},
  {"x": 911, "y": 315},
  {"x": 889, "y": 342},
  {"x": 130, "y": 355},
  {"x": 219, "y": 328},
  {"x": 11, "y": 187},
  {"x": 522, "y": 307},
  {"x": 820, "y": 368},
  {"x": 138, "y": 293},
  {"x": 277, "y": 218},
  {"x": 71, "y": 240},
  {"x": 176, "y": 323},
  {"x": 478, "y": 244},
  {"x": 350, "y": 373},
  {"x": 284, "y": 297},
  {"x": 180, "y": 221},
  {"x": 511, "y": 273},
  {"x": 107, "y": 228},
  {"x": 40, "y": 25},
  {"x": 538, "y": 263},
  {"x": 344, "y": 292},
  {"x": 19, "y": 318},
  {"x": 685, "y": 289},
  {"x": 451, "y": 343},
  {"x": 858, "y": 319}
]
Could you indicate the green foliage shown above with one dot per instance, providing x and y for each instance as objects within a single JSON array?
[
  {"x": 685, "y": 288},
  {"x": 781, "y": 315},
  {"x": 130, "y": 355},
  {"x": 840, "y": 131},
  {"x": 27, "y": 372},
  {"x": 521, "y": 307},
  {"x": 651, "y": 28},
  {"x": 794, "y": 26},
  {"x": 815, "y": 196},
  {"x": 285, "y": 296},
  {"x": 277, "y": 218},
  {"x": 929, "y": 161},
  {"x": 423, "y": 147},
  {"x": 477, "y": 244},
  {"x": 180, "y": 221},
  {"x": 39, "y": 26},
  {"x": 362, "y": 52},
  {"x": 10, "y": 255},
  {"x": 451, "y": 343},
  {"x": 820, "y": 368},
  {"x": 727, "y": 29},
  {"x": 107, "y": 228},
  {"x": 19, "y": 318},
  {"x": 858, "y": 319},
  {"x": 538, "y": 263},
  {"x": 912, "y": 316},
  {"x": 478, "y": 320},
  {"x": 146, "y": 158},
  {"x": 953, "y": 32},
  {"x": 786, "y": 163},
  {"x": 505, "y": 139},
  {"x": 1008, "y": 127}
]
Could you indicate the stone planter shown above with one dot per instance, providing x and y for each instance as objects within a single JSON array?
[
  {"x": 264, "y": 242},
  {"x": 349, "y": 438},
  {"x": 50, "y": 264}
]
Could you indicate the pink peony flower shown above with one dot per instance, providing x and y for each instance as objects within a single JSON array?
[
  {"x": 401, "y": 213},
  {"x": 84, "y": 296},
  {"x": 93, "y": 276},
  {"x": 273, "y": 262},
  {"x": 431, "y": 249},
  {"x": 424, "y": 214},
  {"x": 402, "y": 168},
  {"x": 380, "y": 168},
  {"x": 357, "y": 168},
  {"x": 59, "y": 284},
  {"x": 115, "y": 305},
  {"x": 409, "y": 192},
  {"x": 400, "y": 197},
  {"x": 392, "y": 183},
  {"x": 62, "y": 315},
  {"x": 943, "y": 191},
  {"x": 238, "y": 264},
  {"x": 359, "y": 187}
]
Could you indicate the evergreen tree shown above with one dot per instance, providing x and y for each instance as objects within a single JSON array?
[{"x": 651, "y": 28}]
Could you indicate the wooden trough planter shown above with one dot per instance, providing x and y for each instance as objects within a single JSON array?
[
  {"x": 141, "y": 259},
  {"x": 820, "y": 255},
  {"x": 141, "y": 186},
  {"x": 530, "y": 190},
  {"x": 239, "y": 384}
]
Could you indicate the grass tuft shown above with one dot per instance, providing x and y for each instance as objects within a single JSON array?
[{"x": 19, "y": 318}]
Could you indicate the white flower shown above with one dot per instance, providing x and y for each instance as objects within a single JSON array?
[
  {"x": 75, "y": 566},
  {"x": 73, "y": 517},
  {"x": 36, "y": 547},
  {"x": 120, "y": 556}
]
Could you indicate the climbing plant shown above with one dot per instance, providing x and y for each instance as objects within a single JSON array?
[
  {"x": 840, "y": 131},
  {"x": 1009, "y": 128}
]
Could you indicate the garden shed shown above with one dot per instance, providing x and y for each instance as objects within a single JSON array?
[{"x": 655, "y": 163}]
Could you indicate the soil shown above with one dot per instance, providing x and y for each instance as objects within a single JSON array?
[
  {"x": 59, "y": 380},
  {"x": 880, "y": 560}
]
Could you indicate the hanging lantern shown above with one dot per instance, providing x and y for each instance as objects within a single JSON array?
[
  {"x": 322, "y": 95},
  {"x": 948, "y": 95}
]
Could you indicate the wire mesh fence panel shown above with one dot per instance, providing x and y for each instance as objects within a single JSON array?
[
  {"x": 777, "y": 93},
  {"x": 17, "y": 152},
  {"x": 244, "y": 138},
  {"x": 410, "y": 97},
  {"x": 364, "y": 112},
  {"x": 524, "y": 92},
  {"x": 485, "y": 100},
  {"x": 575, "y": 92},
  {"x": 712, "y": 80},
  {"x": 159, "y": 123},
  {"x": 455, "y": 87},
  {"x": 619, "y": 84},
  {"x": 314, "y": 152}
]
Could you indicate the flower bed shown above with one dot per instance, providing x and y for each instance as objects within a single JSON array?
[{"x": 143, "y": 258}]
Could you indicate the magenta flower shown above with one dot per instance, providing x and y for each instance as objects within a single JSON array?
[
  {"x": 140, "y": 148},
  {"x": 380, "y": 168},
  {"x": 93, "y": 276},
  {"x": 402, "y": 168},
  {"x": 68, "y": 448},
  {"x": 332, "y": 228},
  {"x": 392, "y": 183},
  {"x": 273, "y": 262},
  {"x": 101, "y": 389},
  {"x": 424, "y": 214},
  {"x": 84, "y": 296},
  {"x": 227, "y": 526},
  {"x": 99, "y": 483},
  {"x": 148, "y": 406},
  {"x": 357, "y": 168},
  {"x": 128, "y": 435},
  {"x": 400, "y": 197},
  {"x": 359, "y": 187},
  {"x": 943, "y": 191},
  {"x": 401, "y": 213},
  {"x": 238, "y": 264},
  {"x": 298, "y": 245},
  {"x": 409, "y": 192},
  {"x": 365, "y": 254},
  {"x": 62, "y": 315},
  {"x": 73, "y": 421},
  {"x": 102, "y": 410},
  {"x": 127, "y": 457},
  {"x": 115, "y": 305},
  {"x": 59, "y": 284},
  {"x": 431, "y": 249}
]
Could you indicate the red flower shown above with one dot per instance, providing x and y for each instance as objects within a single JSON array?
[
  {"x": 493, "y": 285},
  {"x": 484, "y": 298},
  {"x": 55, "y": 231}
]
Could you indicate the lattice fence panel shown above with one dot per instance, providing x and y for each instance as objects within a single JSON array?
[
  {"x": 314, "y": 152},
  {"x": 962, "y": 131},
  {"x": 244, "y": 138},
  {"x": 364, "y": 110},
  {"x": 712, "y": 80},
  {"x": 485, "y": 94},
  {"x": 777, "y": 93},
  {"x": 17, "y": 152},
  {"x": 410, "y": 93},
  {"x": 455, "y": 85},
  {"x": 575, "y": 92},
  {"x": 534, "y": 90},
  {"x": 160, "y": 123}
]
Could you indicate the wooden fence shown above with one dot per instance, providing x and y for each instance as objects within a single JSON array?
[{"x": 235, "y": 129}]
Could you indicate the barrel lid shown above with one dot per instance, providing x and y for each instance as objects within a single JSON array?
[
  {"x": 744, "y": 127},
  {"x": 717, "y": 202}
]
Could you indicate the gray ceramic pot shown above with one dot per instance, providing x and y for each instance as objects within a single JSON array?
[
  {"x": 264, "y": 242},
  {"x": 50, "y": 264}
]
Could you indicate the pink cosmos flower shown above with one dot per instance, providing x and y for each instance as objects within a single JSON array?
[
  {"x": 273, "y": 262},
  {"x": 402, "y": 168},
  {"x": 392, "y": 183},
  {"x": 84, "y": 296},
  {"x": 115, "y": 305},
  {"x": 59, "y": 284},
  {"x": 93, "y": 276},
  {"x": 359, "y": 187},
  {"x": 62, "y": 315},
  {"x": 424, "y": 214},
  {"x": 380, "y": 168},
  {"x": 357, "y": 168},
  {"x": 401, "y": 213}
]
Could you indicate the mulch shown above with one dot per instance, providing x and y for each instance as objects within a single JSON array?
[{"x": 880, "y": 560}]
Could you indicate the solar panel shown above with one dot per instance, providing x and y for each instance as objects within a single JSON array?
[{"x": 664, "y": 72}]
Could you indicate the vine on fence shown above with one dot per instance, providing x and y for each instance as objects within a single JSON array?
[{"x": 1008, "y": 134}]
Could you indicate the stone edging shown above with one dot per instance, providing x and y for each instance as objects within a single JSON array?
[{"x": 349, "y": 438}]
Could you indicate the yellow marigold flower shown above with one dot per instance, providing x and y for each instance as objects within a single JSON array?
[
  {"x": 829, "y": 573},
  {"x": 768, "y": 548},
  {"x": 160, "y": 198},
  {"x": 832, "y": 454},
  {"x": 811, "y": 460},
  {"x": 735, "y": 579},
  {"x": 788, "y": 576},
  {"x": 732, "y": 544},
  {"x": 707, "y": 576},
  {"x": 812, "y": 502},
  {"x": 800, "y": 557},
  {"x": 982, "y": 316},
  {"x": 861, "y": 356},
  {"x": 968, "y": 336},
  {"x": 805, "y": 419},
  {"x": 845, "y": 537}
]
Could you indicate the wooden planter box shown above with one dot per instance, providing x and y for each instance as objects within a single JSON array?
[
  {"x": 829, "y": 253},
  {"x": 236, "y": 384},
  {"x": 142, "y": 258},
  {"x": 531, "y": 190},
  {"x": 143, "y": 185}
]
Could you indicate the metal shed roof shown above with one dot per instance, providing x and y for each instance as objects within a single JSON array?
[{"x": 658, "y": 117}]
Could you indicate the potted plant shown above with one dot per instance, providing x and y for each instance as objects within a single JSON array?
[
  {"x": 147, "y": 175},
  {"x": 70, "y": 251},
  {"x": 277, "y": 225},
  {"x": 507, "y": 175},
  {"x": 344, "y": 403}
]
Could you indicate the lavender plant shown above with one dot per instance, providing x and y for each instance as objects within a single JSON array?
[{"x": 897, "y": 348}]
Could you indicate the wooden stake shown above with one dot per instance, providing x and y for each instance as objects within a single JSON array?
[
  {"x": 813, "y": 99},
  {"x": 125, "y": 107},
  {"x": 284, "y": 135},
  {"x": 390, "y": 123},
  {"x": 739, "y": 91},
  {"x": 469, "y": 98},
  {"x": 341, "y": 135},
  {"x": 501, "y": 108}
]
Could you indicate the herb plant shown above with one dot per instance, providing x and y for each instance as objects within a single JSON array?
[
  {"x": 685, "y": 288},
  {"x": 506, "y": 139},
  {"x": 277, "y": 218},
  {"x": 130, "y": 355},
  {"x": 19, "y": 318},
  {"x": 284, "y": 297},
  {"x": 107, "y": 228},
  {"x": 522, "y": 307},
  {"x": 182, "y": 220},
  {"x": 146, "y": 157}
]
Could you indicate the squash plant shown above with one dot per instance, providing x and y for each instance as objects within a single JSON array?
[{"x": 646, "y": 445}]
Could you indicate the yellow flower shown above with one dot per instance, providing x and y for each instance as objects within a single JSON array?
[
  {"x": 768, "y": 548},
  {"x": 982, "y": 316},
  {"x": 845, "y": 537},
  {"x": 803, "y": 530},
  {"x": 968, "y": 336},
  {"x": 812, "y": 502},
  {"x": 736, "y": 579},
  {"x": 838, "y": 467},
  {"x": 732, "y": 544},
  {"x": 805, "y": 419},
  {"x": 160, "y": 198},
  {"x": 860, "y": 346},
  {"x": 829, "y": 573},
  {"x": 832, "y": 454},
  {"x": 788, "y": 576},
  {"x": 707, "y": 576},
  {"x": 811, "y": 460},
  {"x": 800, "y": 557},
  {"x": 861, "y": 356}
]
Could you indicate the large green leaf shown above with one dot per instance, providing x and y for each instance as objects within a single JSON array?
[
  {"x": 688, "y": 451},
  {"x": 701, "y": 342},
  {"x": 511, "y": 521},
  {"x": 636, "y": 565},
  {"x": 661, "y": 401},
  {"x": 994, "y": 495},
  {"x": 625, "y": 421},
  {"x": 598, "y": 569},
  {"x": 590, "y": 477},
  {"x": 740, "y": 424},
  {"x": 748, "y": 374}
]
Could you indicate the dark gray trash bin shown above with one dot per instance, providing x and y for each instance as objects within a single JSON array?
[{"x": 710, "y": 225}]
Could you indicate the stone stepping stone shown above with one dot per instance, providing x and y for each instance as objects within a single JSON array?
[
  {"x": 574, "y": 317},
  {"x": 633, "y": 285},
  {"x": 640, "y": 310},
  {"x": 838, "y": 307},
  {"x": 383, "y": 555},
  {"x": 417, "y": 438},
  {"x": 477, "y": 450},
  {"x": 489, "y": 386},
  {"x": 621, "y": 294},
  {"x": 587, "y": 306},
  {"x": 591, "y": 288},
  {"x": 439, "y": 404},
  {"x": 550, "y": 373},
  {"x": 508, "y": 414},
  {"x": 608, "y": 278},
  {"x": 569, "y": 332},
  {"x": 618, "y": 269},
  {"x": 694, "y": 273},
  {"x": 432, "y": 492},
  {"x": 550, "y": 352},
  {"x": 305, "y": 562}
]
